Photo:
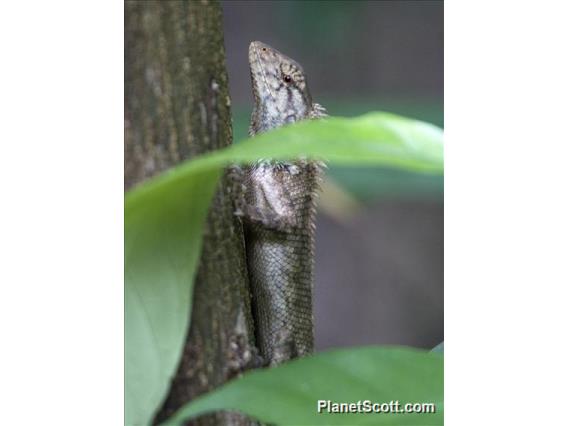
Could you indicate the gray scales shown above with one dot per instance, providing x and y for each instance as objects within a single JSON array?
[{"x": 277, "y": 203}]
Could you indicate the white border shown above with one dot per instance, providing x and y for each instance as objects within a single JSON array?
[
  {"x": 506, "y": 212},
  {"x": 61, "y": 235}
]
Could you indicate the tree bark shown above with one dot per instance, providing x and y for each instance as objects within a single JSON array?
[{"x": 177, "y": 106}]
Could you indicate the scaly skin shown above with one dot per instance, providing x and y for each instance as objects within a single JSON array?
[{"x": 278, "y": 210}]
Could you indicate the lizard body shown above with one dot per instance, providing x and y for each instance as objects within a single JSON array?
[{"x": 278, "y": 208}]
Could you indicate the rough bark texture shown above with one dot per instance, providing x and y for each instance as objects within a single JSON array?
[{"x": 177, "y": 106}]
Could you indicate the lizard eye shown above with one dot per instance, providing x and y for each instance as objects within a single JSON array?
[{"x": 287, "y": 78}]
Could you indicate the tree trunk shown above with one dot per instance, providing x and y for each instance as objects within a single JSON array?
[{"x": 177, "y": 106}]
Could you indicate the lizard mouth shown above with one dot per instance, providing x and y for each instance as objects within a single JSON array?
[{"x": 256, "y": 67}]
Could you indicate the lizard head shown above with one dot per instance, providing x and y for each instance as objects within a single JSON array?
[{"x": 279, "y": 86}]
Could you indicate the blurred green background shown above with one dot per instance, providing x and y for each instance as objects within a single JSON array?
[{"x": 379, "y": 271}]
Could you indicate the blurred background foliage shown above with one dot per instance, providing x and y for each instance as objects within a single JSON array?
[{"x": 379, "y": 271}]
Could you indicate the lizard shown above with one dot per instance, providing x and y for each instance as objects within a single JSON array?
[{"x": 277, "y": 205}]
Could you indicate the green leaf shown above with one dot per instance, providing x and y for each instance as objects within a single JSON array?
[
  {"x": 289, "y": 394},
  {"x": 164, "y": 219},
  {"x": 162, "y": 244},
  {"x": 373, "y": 139}
]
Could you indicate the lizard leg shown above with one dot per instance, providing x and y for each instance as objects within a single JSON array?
[
  {"x": 265, "y": 216},
  {"x": 272, "y": 207}
]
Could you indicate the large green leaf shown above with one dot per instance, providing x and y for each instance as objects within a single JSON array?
[
  {"x": 164, "y": 219},
  {"x": 162, "y": 244},
  {"x": 372, "y": 139},
  {"x": 289, "y": 394}
]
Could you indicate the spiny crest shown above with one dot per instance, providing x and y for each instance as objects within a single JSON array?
[{"x": 318, "y": 111}]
